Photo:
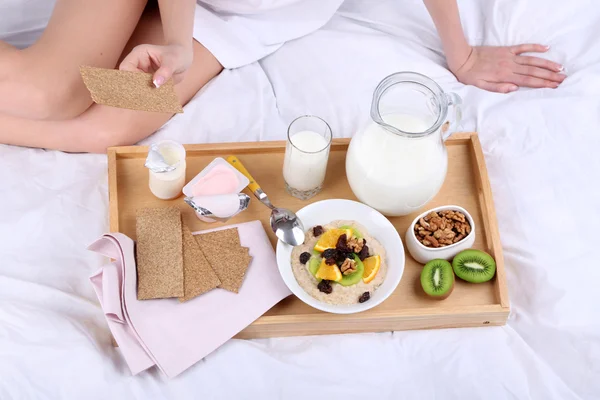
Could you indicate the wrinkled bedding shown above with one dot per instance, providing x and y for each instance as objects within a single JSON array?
[{"x": 541, "y": 151}]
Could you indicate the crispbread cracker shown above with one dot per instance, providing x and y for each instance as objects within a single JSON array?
[
  {"x": 228, "y": 259},
  {"x": 225, "y": 238},
  {"x": 198, "y": 276},
  {"x": 159, "y": 253},
  {"x": 131, "y": 90}
]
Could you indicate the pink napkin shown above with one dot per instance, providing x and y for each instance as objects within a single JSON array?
[{"x": 174, "y": 335}]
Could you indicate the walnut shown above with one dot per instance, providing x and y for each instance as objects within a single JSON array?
[
  {"x": 348, "y": 267},
  {"x": 463, "y": 227},
  {"x": 432, "y": 214},
  {"x": 449, "y": 233},
  {"x": 355, "y": 244},
  {"x": 458, "y": 216},
  {"x": 436, "y": 220},
  {"x": 443, "y": 223},
  {"x": 443, "y": 228},
  {"x": 431, "y": 241}
]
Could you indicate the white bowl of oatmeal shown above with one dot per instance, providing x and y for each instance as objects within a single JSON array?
[{"x": 365, "y": 226}]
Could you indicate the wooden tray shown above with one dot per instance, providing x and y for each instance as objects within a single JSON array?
[{"x": 466, "y": 185}]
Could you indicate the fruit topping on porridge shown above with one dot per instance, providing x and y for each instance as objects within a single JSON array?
[{"x": 339, "y": 263}]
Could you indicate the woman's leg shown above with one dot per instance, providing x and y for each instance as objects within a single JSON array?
[
  {"x": 43, "y": 81},
  {"x": 100, "y": 126}
]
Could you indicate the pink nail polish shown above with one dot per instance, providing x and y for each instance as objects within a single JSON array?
[
  {"x": 561, "y": 68},
  {"x": 158, "y": 81},
  {"x": 547, "y": 47}
]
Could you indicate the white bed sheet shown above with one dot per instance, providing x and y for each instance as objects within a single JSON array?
[{"x": 541, "y": 151}]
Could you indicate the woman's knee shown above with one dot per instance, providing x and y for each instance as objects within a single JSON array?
[
  {"x": 48, "y": 94},
  {"x": 65, "y": 102}
]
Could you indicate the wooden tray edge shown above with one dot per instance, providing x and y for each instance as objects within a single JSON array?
[
  {"x": 493, "y": 234},
  {"x": 113, "y": 198},
  {"x": 266, "y": 146},
  {"x": 208, "y": 148},
  {"x": 459, "y": 317}
]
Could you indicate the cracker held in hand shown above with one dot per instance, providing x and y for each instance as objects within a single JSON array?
[
  {"x": 227, "y": 258},
  {"x": 198, "y": 276},
  {"x": 131, "y": 90},
  {"x": 159, "y": 253}
]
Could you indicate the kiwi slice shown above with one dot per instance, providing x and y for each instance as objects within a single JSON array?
[
  {"x": 474, "y": 266},
  {"x": 355, "y": 232},
  {"x": 313, "y": 265},
  {"x": 437, "y": 279},
  {"x": 356, "y": 276}
]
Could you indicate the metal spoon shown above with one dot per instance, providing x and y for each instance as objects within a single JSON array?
[{"x": 287, "y": 226}]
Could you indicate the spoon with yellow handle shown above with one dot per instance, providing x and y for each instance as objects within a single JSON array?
[{"x": 287, "y": 226}]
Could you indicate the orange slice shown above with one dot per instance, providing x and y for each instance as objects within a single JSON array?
[
  {"x": 329, "y": 272},
  {"x": 372, "y": 265},
  {"x": 329, "y": 239}
]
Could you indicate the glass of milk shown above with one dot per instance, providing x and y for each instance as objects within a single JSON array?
[{"x": 306, "y": 156}]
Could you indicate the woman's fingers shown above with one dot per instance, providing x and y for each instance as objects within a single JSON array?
[
  {"x": 539, "y": 62},
  {"x": 163, "y": 74},
  {"x": 496, "y": 87},
  {"x": 528, "y": 48},
  {"x": 129, "y": 64},
  {"x": 539, "y": 73},
  {"x": 138, "y": 60},
  {"x": 533, "y": 82}
]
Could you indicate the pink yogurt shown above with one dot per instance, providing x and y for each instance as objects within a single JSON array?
[{"x": 219, "y": 180}]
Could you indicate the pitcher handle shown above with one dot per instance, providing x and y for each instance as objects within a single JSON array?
[{"x": 450, "y": 127}]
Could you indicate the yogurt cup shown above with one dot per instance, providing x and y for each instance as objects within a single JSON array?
[
  {"x": 217, "y": 178},
  {"x": 166, "y": 169},
  {"x": 217, "y": 186}
]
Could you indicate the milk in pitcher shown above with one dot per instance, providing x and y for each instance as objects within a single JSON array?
[{"x": 395, "y": 176}]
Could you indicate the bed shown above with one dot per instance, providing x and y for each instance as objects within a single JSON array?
[{"x": 541, "y": 151}]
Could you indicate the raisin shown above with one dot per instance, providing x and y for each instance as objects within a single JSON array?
[
  {"x": 341, "y": 256},
  {"x": 318, "y": 230},
  {"x": 330, "y": 261},
  {"x": 330, "y": 253},
  {"x": 304, "y": 257},
  {"x": 342, "y": 244},
  {"x": 325, "y": 286},
  {"x": 364, "y": 253},
  {"x": 364, "y": 297}
]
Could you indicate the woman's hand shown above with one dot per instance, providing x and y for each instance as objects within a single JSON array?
[
  {"x": 504, "y": 69},
  {"x": 165, "y": 62}
]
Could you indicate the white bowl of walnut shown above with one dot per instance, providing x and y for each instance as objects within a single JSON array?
[{"x": 441, "y": 232}]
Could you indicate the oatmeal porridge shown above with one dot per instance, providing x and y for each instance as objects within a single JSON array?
[{"x": 339, "y": 263}]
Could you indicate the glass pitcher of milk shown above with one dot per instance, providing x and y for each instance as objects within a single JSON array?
[{"x": 398, "y": 162}]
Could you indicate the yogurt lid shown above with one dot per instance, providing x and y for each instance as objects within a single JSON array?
[
  {"x": 163, "y": 156},
  {"x": 205, "y": 183}
]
